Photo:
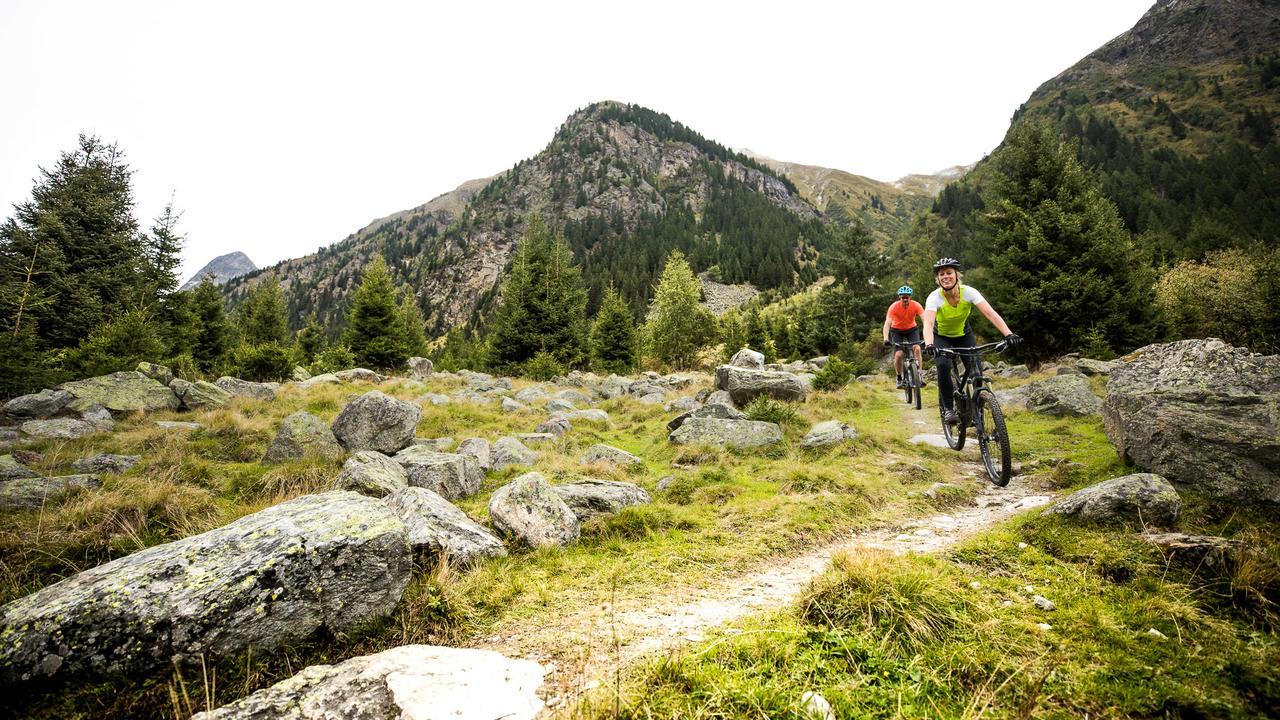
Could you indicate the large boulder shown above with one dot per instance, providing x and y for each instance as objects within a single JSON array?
[
  {"x": 744, "y": 385},
  {"x": 1063, "y": 395},
  {"x": 377, "y": 421},
  {"x": 27, "y": 493},
  {"x": 245, "y": 388},
  {"x": 105, "y": 463},
  {"x": 710, "y": 410},
  {"x": 405, "y": 683},
  {"x": 303, "y": 434},
  {"x": 510, "y": 451},
  {"x": 1202, "y": 414},
  {"x": 332, "y": 561},
  {"x": 531, "y": 513},
  {"x": 726, "y": 433},
  {"x": 420, "y": 368},
  {"x": 747, "y": 358},
  {"x": 124, "y": 392},
  {"x": 452, "y": 476},
  {"x": 371, "y": 473},
  {"x": 58, "y": 429},
  {"x": 1141, "y": 497},
  {"x": 199, "y": 394},
  {"x": 601, "y": 453},
  {"x": 43, "y": 404},
  {"x": 11, "y": 469},
  {"x": 438, "y": 528},
  {"x": 591, "y": 497}
]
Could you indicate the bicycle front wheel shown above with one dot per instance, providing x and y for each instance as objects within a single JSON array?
[
  {"x": 993, "y": 438},
  {"x": 954, "y": 433}
]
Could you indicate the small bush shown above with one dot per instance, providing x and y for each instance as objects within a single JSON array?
[
  {"x": 543, "y": 366},
  {"x": 766, "y": 409}
]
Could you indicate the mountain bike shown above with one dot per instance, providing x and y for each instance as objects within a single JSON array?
[
  {"x": 976, "y": 404},
  {"x": 912, "y": 378}
]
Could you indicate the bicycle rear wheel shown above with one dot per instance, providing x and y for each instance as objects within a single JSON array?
[
  {"x": 954, "y": 433},
  {"x": 993, "y": 438}
]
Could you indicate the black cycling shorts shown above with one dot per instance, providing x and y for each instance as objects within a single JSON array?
[{"x": 904, "y": 336}]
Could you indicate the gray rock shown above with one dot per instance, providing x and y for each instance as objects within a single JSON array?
[
  {"x": 479, "y": 449},
  {"x": 376, "y": 421},
  {"x": 437, "y": 528},
  {"x": 1141, "y": 497},
  {"x": 124, "y": 392},
  {"x": 710, "y": 410},
  {"x": 43, "y": 404},
  {"x": 303, "y": 434},
  {"x": 745, "y": 385},
  {"x": 435, "y": 399},
  {"x": 420, "y": 368},
  {"x": 159, "y": 373},
  {"x": 199, "y": 394},
  {"x": 1202, "y": 414},
  {"x": 558, "y": 405},
  {"x": 359, "y": 375},
  {"x": 601, "y": 453},
  {"x": 403, "y": 683},
  {"x": 27, "y": 493},
  {"x": 726, "y": 433},
  {"x": 828, "y": 432},
  {"x": 300, "y": 374},
  {"x": 452, "y": 476},
  {"x": 245, "y": 388},
  {"x": 510, "y": 451},
  {"x": 1063, "y": 395},
  {"x": 557, "y": 425},
  {"x": 178, "y": 425},
  {"x": 334, "y": 561},
  {"x": 511, "y": 406},
  {"x": 105, "y": 463},
  {"x": 529, "y": 512},
  {"x": 371, "y": 473},
  {"x": 11, "y": 469},
  {"x": 590, "y": 497},
  {"x": 747, "y": 358},
  {"x": 1096, "y": 367},
  {"x": 58, "y": 428}
]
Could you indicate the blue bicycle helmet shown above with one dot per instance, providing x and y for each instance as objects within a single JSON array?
[{"x": 904, "y": 290}]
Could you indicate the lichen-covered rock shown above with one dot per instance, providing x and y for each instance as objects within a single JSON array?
[
  {"x": 591, "y": 497},
  {"x": 479, "y": 449},
  {"x": 601, "y": 453},
  {"x": 376, "y": 421},
  {"x": 371, "y": 473},
  {"x": 124, "y": 392},
  {"x": 452, "y": 476},
  {"x": 199, "y": 394},
  {"x": 159, "y": 373},
  {"x": 58, "y": 429},
  {"x": 1141, "y": 497},
  {"x": 303, "y": 434},
  {"x": 411, "y": 682},
  {"x": 726, "y": 433},
  {"x": 11, "y": 469},
  {"x": 245, "y": 388},
  {"x": 828, "y": 432},
  {"x": 103, "y": 463},
  {"x": 27, "y": 493},
  {"x": 510, "y": 451},
  {"x": 747, "y": 358},
  {"x": 420, "y": 368},
  {"x": 1202, "y": 414},
  {"x": 1063, "y": 395},
  {"x": 745, "y": 385},
  {"x": 43, "y": 404},
  {"x": 437, "y": 527},
  {"x": 531, "y": 513},
  {"x": 333, "y": 561},
  {"x": 710, "y": 410}
]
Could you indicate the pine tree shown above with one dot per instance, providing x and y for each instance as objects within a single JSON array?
[
  {"x": 615, "y": 344},
  {"x": 1062, "y": 263},
  {"x": 678, "y": 326},
  {"x": 261, "y": 317},
  {"x": 213, "y": 334},
  {"x": 373, "y": 332}
]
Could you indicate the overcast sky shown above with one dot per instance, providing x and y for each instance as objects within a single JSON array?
[{"x": 282, "y": 127}]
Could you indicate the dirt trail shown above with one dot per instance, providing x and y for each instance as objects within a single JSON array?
[{"x": 588, "y": 648}]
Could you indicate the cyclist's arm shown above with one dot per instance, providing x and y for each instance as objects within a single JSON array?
[
  {"x": 929, "y": 315},
  {"x": 990, "y": 313}
]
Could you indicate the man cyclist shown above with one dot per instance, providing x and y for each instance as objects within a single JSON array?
[
  {"x": 900, "y": 327},
  {"x": 946, "y": 325}
]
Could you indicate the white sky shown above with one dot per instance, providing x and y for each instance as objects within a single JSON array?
[{"x": 283, "y": 127}]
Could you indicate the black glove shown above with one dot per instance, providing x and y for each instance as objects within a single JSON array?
[
  {"x": 930, "y": 350},
  {"x": 1012, "y": 340},
  {"x": 887, "y": 343}
]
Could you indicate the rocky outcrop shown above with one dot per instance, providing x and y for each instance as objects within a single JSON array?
[
  {"x": 303, "y": 434},
  {"x": 44, "y": 404},
  {"x": 601, "y": 453},
  {"x": 245, "y": 388},
  {"x": 726, "y": 433},
  {"x": 199, "y": 394},
  {"x": 376, "y": 421},
  {"x": 124, "y": 392},
  {"x": 28, "y": 493},
  {"x": 371, "y": 473},
  {"x": 1202, "y": 414},
  {"x": 591, "y": 497},
  {"x": 745, "y": 385},
  {"x": 1141, "y": 498},
  {"x": 529, "y": 512},
  {"x": 332, "y": 561},
  {"x": 439, "y": 529},
  {"x": 1062, "y": 395},
  {"x": 452, "y": 476},
  {"x": 405, "y": 683},
  {"x": 828, "y": 432}
]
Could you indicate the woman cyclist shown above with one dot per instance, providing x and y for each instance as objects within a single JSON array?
[{"x": 946, "y": 325}]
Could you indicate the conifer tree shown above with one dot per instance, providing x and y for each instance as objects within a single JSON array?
[
  {"x": 373, "y": 330},
  {"x": 678, "y": 326},
  {"x": 615, "y": 344}
]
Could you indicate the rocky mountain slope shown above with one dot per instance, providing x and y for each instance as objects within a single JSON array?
[{"x": 222, "y": 269}]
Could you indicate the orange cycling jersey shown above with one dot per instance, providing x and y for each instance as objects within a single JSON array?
[{"x": 904, "y": 318}]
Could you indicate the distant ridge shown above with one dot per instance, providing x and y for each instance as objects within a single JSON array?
[{"x": 222, "y": 269}]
